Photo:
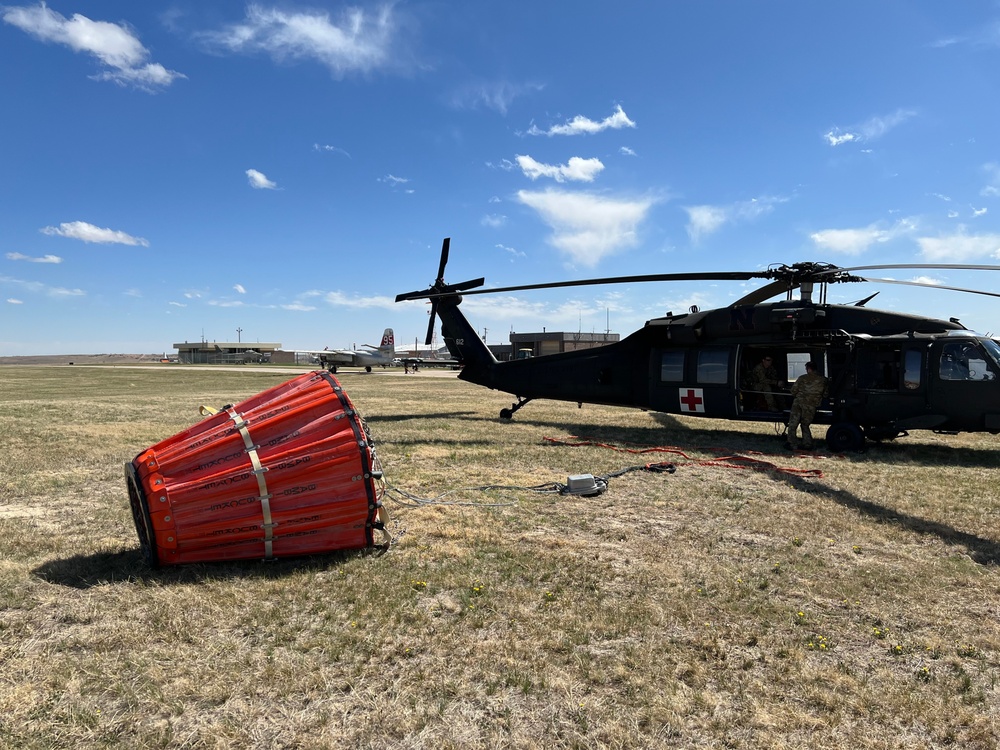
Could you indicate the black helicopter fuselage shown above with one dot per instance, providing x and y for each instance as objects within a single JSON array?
[{"x": 889, "y": 372}]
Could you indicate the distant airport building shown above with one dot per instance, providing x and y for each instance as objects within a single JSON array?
[
  {"x": 553, "y": 342},
  {"x": 224, "y": 352}
]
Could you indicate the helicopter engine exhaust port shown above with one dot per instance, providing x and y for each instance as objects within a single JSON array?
[{"x": 845, "y": 437}]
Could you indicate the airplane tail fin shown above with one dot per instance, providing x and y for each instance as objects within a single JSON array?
[{"x": 388, "y": 345}]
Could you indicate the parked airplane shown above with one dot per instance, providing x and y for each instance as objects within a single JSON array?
[{"x": 373, "y": 356}]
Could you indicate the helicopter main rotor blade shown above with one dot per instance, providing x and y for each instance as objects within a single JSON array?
[
  {"x": 904, "y": 266},
  {"x": 765, "y": 293},
  {"x": 931, "y": 286},
  {"x": 642, "y": 278}
]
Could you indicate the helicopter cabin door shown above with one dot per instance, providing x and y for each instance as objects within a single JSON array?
[
  {"x": 697, "y": 381},
  {"x": 964, "y": 385},
  {"x": 891, "y": 382}
]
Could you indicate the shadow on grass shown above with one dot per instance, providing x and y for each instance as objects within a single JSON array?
[
  {"x": 671, "y": 432},
  {"x": 130, "y": 566},
  {"x": 377, "y": 418},
  {"x": 677, "y": 435},
  {"x": 982, "y": 551}
]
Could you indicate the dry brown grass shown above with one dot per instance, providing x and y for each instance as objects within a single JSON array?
[{"x": 714, "y": 607}]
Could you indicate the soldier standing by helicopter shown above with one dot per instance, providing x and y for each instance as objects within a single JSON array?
[
  {"x": 764, "y": 379},
  {"x": 807, "y": 393}
]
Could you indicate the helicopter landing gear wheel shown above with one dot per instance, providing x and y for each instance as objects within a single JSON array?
[
  {"x": 368, "y": 368},
  {"x": 333, "y": 369},
  {"x": 845, "y": 436},
  {"x": 509, "y": 413}
]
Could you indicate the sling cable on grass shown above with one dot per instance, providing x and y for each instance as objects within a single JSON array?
[
  {"x": 584, "y": 485},
  {"x": 734, "y": 461}
]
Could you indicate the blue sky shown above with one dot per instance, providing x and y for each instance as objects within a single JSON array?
[{"x": 279, "y": 172}]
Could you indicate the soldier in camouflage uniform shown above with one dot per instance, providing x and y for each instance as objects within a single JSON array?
[
  {"x": 807, "y": 393},
  {"x": 763, "y": 380}
]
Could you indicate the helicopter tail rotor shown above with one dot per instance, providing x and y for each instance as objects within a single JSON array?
[{"x": 440, "y": 290}]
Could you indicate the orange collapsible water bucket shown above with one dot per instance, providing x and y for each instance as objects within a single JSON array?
[{"x": 290, "y": 471}]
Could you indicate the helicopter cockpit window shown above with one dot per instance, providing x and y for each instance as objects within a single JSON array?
[
  {"x": 713, "y": 365},
  {"x": 672, "y": 367},
  {"x": 963, "y": 360},
  {"x": 992, "y": 349}
]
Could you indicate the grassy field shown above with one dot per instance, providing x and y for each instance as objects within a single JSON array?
[{"x": 785, "y": 601}]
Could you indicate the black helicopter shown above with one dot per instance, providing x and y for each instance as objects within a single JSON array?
[{"x": 889, "y": 372}]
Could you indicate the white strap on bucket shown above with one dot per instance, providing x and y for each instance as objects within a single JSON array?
[{"x": 258, "y": 471}]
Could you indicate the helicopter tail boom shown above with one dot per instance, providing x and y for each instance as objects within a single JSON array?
[{"x": 464, "y": 344}]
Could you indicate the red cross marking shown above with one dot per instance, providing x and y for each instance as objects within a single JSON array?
[{"x": 692, "y": 400}]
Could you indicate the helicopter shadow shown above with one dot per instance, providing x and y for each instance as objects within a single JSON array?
[
  {"x": 668, "y": 433},
  {"x": 129, "y": 566},
  {"x": 904, "y": 453},
  {"x": 980, "y": 550}
]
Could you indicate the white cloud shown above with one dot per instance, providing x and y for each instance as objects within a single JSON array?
[
  {"x": 837, "y": 138},
  {"x": 588, "y": 227},
  {"x": 329, "y": 148},
  {"x": 505, "y": 165},
  {"x": 358, "y": 40},
  {"x": 513, "y": 252},
  {"x": 494, "y": 221},
  {"x": 43, "y": 259},
  {"x": 397, "y": 182},
  {"x": 584, "y": 313},
  {"x": 81, "y": 230},
  {"x": 36, "y": 287},
  {"x": 626, "y": 151},
  {"x": 959, "y": 247},
  {"x": 869, "y": 130},
  {"x": 116, "y": 46},
  {"x": 239, "y": 288},
  {"x": 58, "y": 291},
  {"x": 14, "y": 301},
  {"x": 684, "y": 303},
  {"x": 706, "y": 219},
  {"x": 576, "y": 169},
  {"x": 581, "y": 125},
  {"x": 177, "y": 304},
  {"x": 992, "y": 187},
  {"x": 259, "y": 181},
  {"x": 856, "y": 241},
  {"x": 876, "y": 127},
  {"x": 976, "y": 212},
  {"x": 339, "y": 299},
  {"x": 495, "y": 95}
]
